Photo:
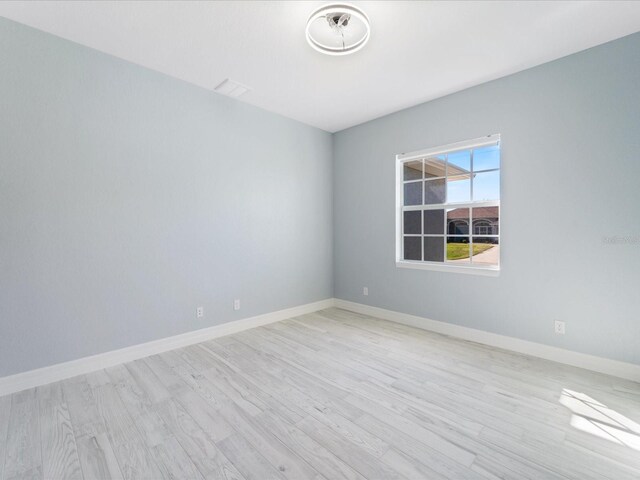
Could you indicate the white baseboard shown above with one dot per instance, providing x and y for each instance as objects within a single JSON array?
[
  {"x": 616, "y": 368},
  {"x": 61, "y": 371}
]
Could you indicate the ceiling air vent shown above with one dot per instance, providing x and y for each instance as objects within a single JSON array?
[{"x": 231, "y": 88}]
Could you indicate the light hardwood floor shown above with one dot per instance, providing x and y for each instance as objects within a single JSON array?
[{"x": 326, "y": 396}]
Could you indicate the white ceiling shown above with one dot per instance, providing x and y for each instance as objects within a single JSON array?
[{"x": 418, "y": 50}]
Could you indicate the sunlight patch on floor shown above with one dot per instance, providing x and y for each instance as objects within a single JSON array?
[{"x": 593, "y": 417}]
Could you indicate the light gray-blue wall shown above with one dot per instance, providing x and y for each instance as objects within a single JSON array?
[
  {"x": 128, "y": 198},
  {"x": 570, "y": 177}
]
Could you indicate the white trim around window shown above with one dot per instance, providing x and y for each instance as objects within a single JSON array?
[{"x": 439, "y": 184}]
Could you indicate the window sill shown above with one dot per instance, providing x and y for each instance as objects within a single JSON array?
[{"x": 485, "y": 271}]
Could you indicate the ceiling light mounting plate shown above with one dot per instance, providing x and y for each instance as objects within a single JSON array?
[{"x": 338, "y": 29}]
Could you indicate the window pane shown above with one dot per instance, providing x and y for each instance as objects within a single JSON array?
[
  {"x": 486, "y": 158},
  {"x": 434, "y": 191},
  {"x": 458, "y": 221},
  {"x": 486, "y": 220},
  {"x": 486, "y": 251},
  {"x": 434, "y": 166},
  {"x": 412, "y": 248},
  {"x": 458, "y": 249},
  {"x": 458, "y": 189},
  {"x": 459, "y": 162},
  {"x": 434, "y": 249},
  {"x": 413, "y": 170},
  {"x": 413, "y": 193},
  {"x": 486, "y": 186},
  {"x": 412, "y": 222},
  {"x": 434, "y": 222},
  {"x": 441, "y": 219}
]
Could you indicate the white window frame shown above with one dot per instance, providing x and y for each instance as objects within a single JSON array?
[{"x": 444, "y": 266}]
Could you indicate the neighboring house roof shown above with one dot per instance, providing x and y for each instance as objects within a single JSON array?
[{"x": 478, "y": 212}]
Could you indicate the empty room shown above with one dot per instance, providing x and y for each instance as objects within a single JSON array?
[{"x": 291, "y": 240}]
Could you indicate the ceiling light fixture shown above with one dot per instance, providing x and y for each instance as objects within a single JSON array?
[{"x": 338, "y": 29}]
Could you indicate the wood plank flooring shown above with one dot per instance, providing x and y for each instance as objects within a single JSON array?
[{"x": 328, "y": 395}]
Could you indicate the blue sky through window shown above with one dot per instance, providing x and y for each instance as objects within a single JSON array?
[
  {"x": 486, "y": 186},
  {"x": 461, "y": 159},
  {"x": 459, "y": 189},
  {"x": 486, "y": 158}
]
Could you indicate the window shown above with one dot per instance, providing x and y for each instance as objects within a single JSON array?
[{"x": 448, "y": 207}]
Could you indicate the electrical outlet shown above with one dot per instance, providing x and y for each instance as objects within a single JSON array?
[
  {"x": 199, "y": 312},
  {"x": 236, "y": 304},
  {"x": 559, "y": 327},
  {"x": 365, "y": 291}
]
